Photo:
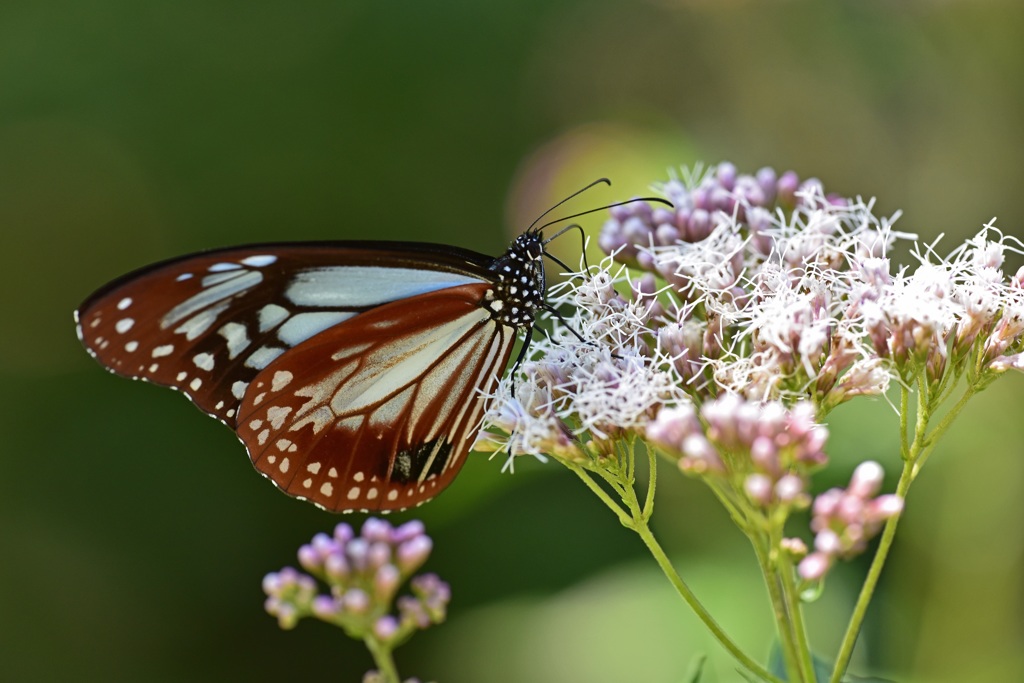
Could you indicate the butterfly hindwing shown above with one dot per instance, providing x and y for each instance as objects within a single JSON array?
[{"x": 377, "y": 412}]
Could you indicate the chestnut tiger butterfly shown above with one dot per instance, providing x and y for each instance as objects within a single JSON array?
[{"x": 352, "y": 371}]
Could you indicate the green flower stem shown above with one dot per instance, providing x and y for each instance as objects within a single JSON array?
[
  {"x": 796, "y": 614},
  {"x": 940, "y": 429},
  {"x": 914, "y": 459},
  {"x": 783, "y": 623},
  {"x": 644, "y": 531},
  {"x": 598, "y": 491},
  {"x": 652, "y": 466},
  {"x": 635, "y": 518},
  {"x": 904, "y": 410},
  {"x": 383, "y": 659},
  {"x": 868, "y": 589}
]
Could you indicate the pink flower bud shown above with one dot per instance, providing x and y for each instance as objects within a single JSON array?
[
  {"x": 885, "y": 507},
  {"x": 411, "y": 555},
  {"x": 310, "y": 559},
  {"x": 789, "y": 488},
  {"x": 814, "y": 566},
  {"x": 826, "y": 541},
  {"x": 355, "y": 600},
  {"x": 336, "y": 567},
  {"x": 385, "y": 582},
  {"x": 385, "y": 627},
  {"x": 759, "y": 488},
  {"x": 866, "y": 479},
  {"x": 343, "y": 533},
  {"x": 376, "y": 530},
  {"x": 794, "y": 546}
]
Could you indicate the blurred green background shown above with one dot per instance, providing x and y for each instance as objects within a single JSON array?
[{"x": 134, "y": 531}]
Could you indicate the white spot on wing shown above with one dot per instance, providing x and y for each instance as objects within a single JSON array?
[
  {"x": 281, "y": 380},
  {"x": 277, "y": 414},
  {"x": 218, "y": 278},
  {"x": 327, "y": 489},
  {"x": 271, "y": 315},
  {"x": 301, "y": 327},
  {"x": 203, "y": 361},
  {"x": 236, "y": 337},
  {"x": 353, "y": 492},
  {"x": 261, "y": 357},
  {"x": 131, "y": 346},
  {"x": 195, "y": 384},
  {"x": 200, "y": 322},
  {"x": 355, "y": 286},
  {"x": 221, "y": 267},
  {"x": 123, "y": 325},
  {"x": 210, "y": 296},
  {"x": 238, "y": 389},
  {"x": 313, "y": 467},
  {"x": 124, "y": 303},
  {"x": 260, "y": 260}
]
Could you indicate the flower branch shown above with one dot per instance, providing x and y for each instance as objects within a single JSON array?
[{"x": 722, "y": 332}]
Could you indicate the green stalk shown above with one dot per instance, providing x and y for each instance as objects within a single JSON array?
[
  {"x": 796, "y": 615},
  {"x": 599, "y": 492},
  {"x": 636, "y": 519},
  {"x": 914, "y": 459},
  {"x": 868, "y": 589},
  {"x": 383, "y": 659},
  {"x": 783, "y": 624},
  {"x": 688, "y": 596}
]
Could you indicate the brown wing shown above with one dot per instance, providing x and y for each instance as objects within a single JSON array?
[
  {"x": 377, "y": 412},
  {"x": 208, "y": 324}
]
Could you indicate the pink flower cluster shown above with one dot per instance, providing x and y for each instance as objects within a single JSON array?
[
  {"x": 844, "y": 520},
  {"x": 364, "y": 573},
  {"x": 770, "y": 449}
]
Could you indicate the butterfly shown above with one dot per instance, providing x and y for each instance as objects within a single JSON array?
[{"x": 353, "y": 372}]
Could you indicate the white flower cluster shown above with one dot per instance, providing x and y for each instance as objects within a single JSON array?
[
  {"x": 760, "y": 286},
  {"x": 757, "y": 301}
]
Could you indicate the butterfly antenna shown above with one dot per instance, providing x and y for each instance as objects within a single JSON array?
[
  {"x": 601, "y": 208},
  {"x": 583, "y": 251},
  {"x": 577, "y": 192}
]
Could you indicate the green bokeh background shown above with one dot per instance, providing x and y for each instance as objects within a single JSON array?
[{"x": 134, "y": 531}]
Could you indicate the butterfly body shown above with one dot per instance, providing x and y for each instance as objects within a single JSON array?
[{"x": 352, "y": 371}]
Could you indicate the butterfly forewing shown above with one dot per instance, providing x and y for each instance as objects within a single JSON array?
[
  {"x": 208, "y": 324},
  {"x": 377, "y": 412}
]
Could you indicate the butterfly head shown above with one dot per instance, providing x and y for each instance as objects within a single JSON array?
[{"x": 519, "y": 281}]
